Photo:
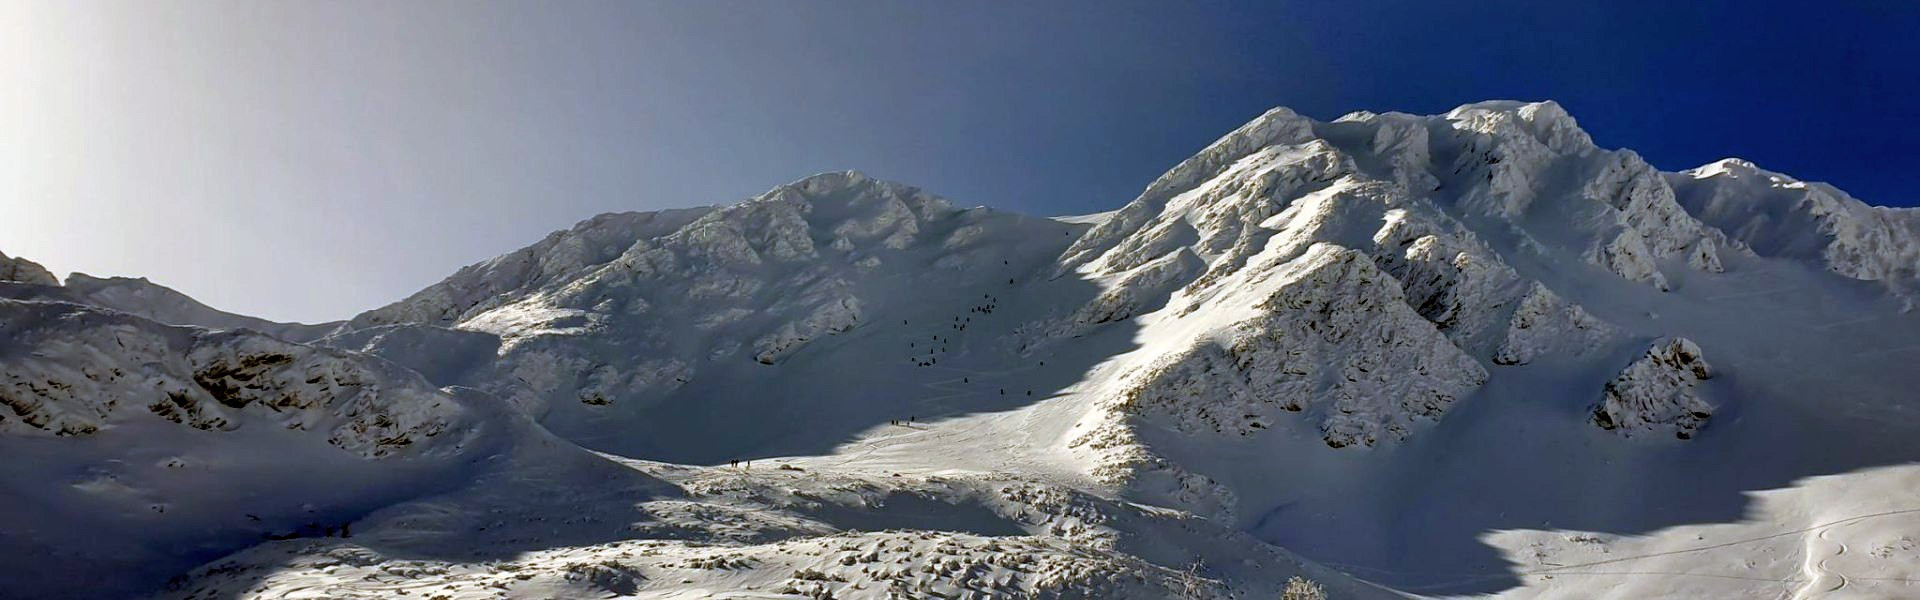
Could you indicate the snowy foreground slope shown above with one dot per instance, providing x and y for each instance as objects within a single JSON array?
[{"x": 1399, "y": 355}]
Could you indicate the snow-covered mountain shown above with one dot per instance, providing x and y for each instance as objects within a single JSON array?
[
  {"x": 1780, "y": 216},
  {"x": 1395, "y": 354}
]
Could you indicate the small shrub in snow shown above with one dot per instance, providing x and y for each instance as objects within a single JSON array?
[{"x": 1302, "y": 589}]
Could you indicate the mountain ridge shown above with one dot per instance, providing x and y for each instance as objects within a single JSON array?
[{"x": 1331, "y": 338}]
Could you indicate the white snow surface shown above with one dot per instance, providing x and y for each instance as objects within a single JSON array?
[
  {"x": 1447, "y": 356},
  {"x": 160, "y": 303}
]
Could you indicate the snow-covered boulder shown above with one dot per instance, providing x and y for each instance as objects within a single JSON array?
[{"x": 1656, "y": 393}]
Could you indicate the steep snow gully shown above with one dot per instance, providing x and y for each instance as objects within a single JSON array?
[{"x": 1398, "y": 355}]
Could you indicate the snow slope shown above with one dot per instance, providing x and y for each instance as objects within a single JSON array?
[
  {"x": 139, "y": 449},
  {"x": 1777, "y": 215},
  {"x": 1449, "y": 355},
  {"x": 160, "y": 303}
]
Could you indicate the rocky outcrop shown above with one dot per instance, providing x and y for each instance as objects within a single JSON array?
[
  {"x": 1335, "y": 342},
  {"x": 25, "y": 271},
  {"x": 1512, "y": 161},
  {"x": 1656, "y": 393},
  {"x": 75, "y": 370},
  {"x": 1544, "y": 323}
]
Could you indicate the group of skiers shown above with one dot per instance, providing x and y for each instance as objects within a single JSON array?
[
  {"x": 938, "y": 345},
  {"x": 932, "y": 351},
  {"x": 344, "y": 529}
]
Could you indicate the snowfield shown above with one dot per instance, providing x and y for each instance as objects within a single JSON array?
[{"x": 1458, "y": 355}]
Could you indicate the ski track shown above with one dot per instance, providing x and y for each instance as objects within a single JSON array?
[
  {"x": 1821, "y": 580},
  {"x": 1814, "y": 566}
]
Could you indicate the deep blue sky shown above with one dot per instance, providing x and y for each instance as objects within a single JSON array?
[{"x": 309, "y": 160}]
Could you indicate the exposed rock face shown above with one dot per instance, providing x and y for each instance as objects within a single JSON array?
[
  {"x": 1371, "y": 293},
  {"x": 1221, "y": 251},
  {"x": 1656, "y": 393},
  {"x": 1545, "y": 323},
  {"x": 25, "y": 271},
  {"x": 1621, "y": 208},
  {"x": 76, "y": 370},
  {"x": 1336, "y": 341},
  {"x": 1391, "y": 185}
]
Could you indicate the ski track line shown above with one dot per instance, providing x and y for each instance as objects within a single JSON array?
[
  {"x": 1821, "y": 526},
  {"x": 1815, "y": 566},
  {"x": 1897, "y": 350},
  {"x": 1829, "y": 327},
  {"x": 1563, "y": 570},
  {"x": 1737, "y": 295}
]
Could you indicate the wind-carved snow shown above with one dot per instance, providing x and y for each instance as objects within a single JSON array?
[
  {"x": 1656, "y": 393},
  {"x": 74, "y": 370},
  {"x": 1780, "y": 216}
]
